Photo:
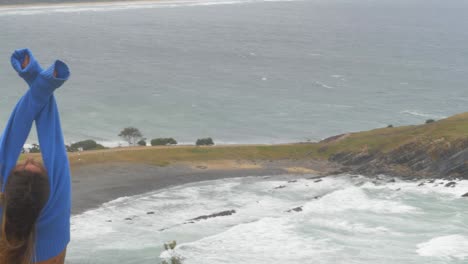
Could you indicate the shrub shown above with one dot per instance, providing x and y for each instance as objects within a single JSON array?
[
  {"x": 35, "y": 148},
  {"x": 163, "y": 141},
  {"x": 428, "y": 121},
  {"x": 204, "y": 142},
  {"x": 85, "y": 145},
  {"x": 141, "y": 142},
  {"x": 171, "y": 256},
  {"x": 390, "y": 126}
]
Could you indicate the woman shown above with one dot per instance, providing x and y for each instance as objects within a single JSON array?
[{"x": 35, "y": 200}]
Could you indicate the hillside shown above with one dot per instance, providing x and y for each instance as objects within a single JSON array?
[{"x": 438, "y": 149}]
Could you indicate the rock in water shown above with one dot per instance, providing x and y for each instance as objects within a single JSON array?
[
  {"x": 451, "y": 184},
  {"x": 280, "y": 187},
  {"x": 296, "y": 209},
  {"x": 465, "y": 195},
  {"x": 203, "y": 217}
]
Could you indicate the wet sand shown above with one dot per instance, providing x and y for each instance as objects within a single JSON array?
[{"x": 96, "y": 184}]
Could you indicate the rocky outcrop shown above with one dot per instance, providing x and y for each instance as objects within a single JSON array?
[
  {"x": 296, "y": 209},
  {"x": 440, "y": 158},
  {"x": 204, "y": 217}
]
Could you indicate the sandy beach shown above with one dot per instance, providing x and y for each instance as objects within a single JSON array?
[{"x": 96, "y": 184}]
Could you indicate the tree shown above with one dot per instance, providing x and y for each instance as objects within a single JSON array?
[
  {"x": 35, "y": 148},
  {"x": 204, "y": 141},
  {"x": 163, "y": 141},
  {"x": 131, "y": 134}
]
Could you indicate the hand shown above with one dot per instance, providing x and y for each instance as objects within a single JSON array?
[{"x": 25, "y": 61}]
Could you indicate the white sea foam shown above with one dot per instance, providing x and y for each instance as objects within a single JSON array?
[
  {"x": 337, "y": 216},
  {"x": 336, "y": 76},
  {"x": 354, "y": 198},
  {"x": 424, "y": 187},
  {"x": 452, "y": 246},
  {"x": 348, "y": 226},
  {"x": 420, "y": 114},
  {"x": 324, "y": 85},
  {"x": 269, "y": 240}
]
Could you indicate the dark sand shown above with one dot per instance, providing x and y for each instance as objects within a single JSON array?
[{"x": 94, "y": 185}]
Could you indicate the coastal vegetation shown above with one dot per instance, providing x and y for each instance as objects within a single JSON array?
[
  {"x": 131, "y": 134},
  {"x": 204, "y": 142},
  {"x": 35, "y": 148},
  {"x": 429, "y": 150},
  {"x": 88, "y": 144},
  {"x": 172, "y": 257},
  {"x": 163, "y": 141}
]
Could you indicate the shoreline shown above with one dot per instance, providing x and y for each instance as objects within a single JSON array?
[
  {"x": 96, "y": 184},
  {"x": 44, "y": 5}
]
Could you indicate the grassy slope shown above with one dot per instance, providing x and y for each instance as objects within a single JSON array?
[
  {"x": 384, "y": 140},
  {"x": 388, "y": 139}
]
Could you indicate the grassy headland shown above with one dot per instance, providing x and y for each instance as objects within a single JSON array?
[{"x": 435, "y": 149}]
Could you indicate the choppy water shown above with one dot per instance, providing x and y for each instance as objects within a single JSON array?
[
  {"x": 344, "y": 219},
  {"x": 252, "y": 71},
  {"x": 246, "y": 71}
]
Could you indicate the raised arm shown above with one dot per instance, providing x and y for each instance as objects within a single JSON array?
[
  {"x": 41, "y": 83},
  {"x": 19, "y": 125},
  {"x": 53, "y": 227}
]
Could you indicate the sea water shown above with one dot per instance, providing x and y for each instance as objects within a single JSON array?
[
  {"x": 244, "y": 71},
  {"x": 257, "y": 72},
  {"x": 338, "y": 219}
]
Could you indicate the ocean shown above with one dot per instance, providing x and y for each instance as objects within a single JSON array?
[
  {"x": 342, "y": 219},
  {"x": 252, "y": 71},
  {"x": 244, "y": 71}
]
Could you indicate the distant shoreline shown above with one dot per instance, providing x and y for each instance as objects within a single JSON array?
[{"x": 72, "y": 4}]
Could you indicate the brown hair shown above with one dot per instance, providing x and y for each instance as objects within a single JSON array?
[{"x": 26, "y": 193}]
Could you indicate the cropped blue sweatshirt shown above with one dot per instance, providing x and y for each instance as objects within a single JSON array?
[{"x": 38, "y": 104}]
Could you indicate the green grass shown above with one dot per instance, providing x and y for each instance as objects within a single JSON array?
[
  {"x": 383, "y": 140},
  {"x": 162, "y": 156},
  {"x": 387, "y": 139}
]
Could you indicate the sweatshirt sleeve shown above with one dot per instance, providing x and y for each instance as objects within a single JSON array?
[
  {"x": 53, "y": 227},
  {"x": 19, "y": 124},
  {"x": 15, "y": 134},
  {"x": 41, "y": 83}
]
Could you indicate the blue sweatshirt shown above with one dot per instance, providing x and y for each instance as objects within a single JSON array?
[{"x": 38, "y": 103}]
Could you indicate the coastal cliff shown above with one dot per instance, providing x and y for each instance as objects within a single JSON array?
[{"x": 438, "y": 149}]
